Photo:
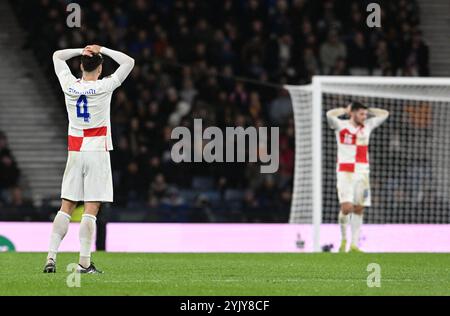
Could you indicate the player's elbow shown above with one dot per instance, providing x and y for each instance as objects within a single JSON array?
[
  {"x": 56, "y": 55},
  {"x": 329, "y": 113},
  {"x": 128, "y": 63}
]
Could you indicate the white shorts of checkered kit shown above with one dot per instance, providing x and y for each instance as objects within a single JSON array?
[
  {"x": 88, "y": 177},
  {"x": 354, "y": 187}
]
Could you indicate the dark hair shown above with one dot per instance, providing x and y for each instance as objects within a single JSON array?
[
  {"x": 355, "y": 106},
  {"x": 91, "y": 63}
]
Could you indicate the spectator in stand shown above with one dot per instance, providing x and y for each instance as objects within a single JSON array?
[
  {"x": 361, "y": 56},
  {"x": 417, "y": 58},
  {"x": 330, "y": 51}
]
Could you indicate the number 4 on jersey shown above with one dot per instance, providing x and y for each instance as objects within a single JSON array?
[{"x": 82, "y": 100}]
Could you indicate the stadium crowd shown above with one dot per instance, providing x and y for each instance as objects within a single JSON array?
[{"x": 189, "y": 58}]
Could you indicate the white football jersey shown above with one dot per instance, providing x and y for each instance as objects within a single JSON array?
[{"x": 88, "y": 106}]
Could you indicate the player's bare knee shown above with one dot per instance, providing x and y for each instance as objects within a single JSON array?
[
  {"x": 68, "y": 206},
  {"x": 91, "y": 208}
]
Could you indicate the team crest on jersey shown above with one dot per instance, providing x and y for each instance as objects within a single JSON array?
[{"x": 347, "y": 138}]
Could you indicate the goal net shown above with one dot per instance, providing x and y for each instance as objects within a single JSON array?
[{"x": 409, "y": 153}]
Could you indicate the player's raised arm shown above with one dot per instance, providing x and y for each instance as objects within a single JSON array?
[
  {"x": 60, "y": 57},
  {"x": 379, "y": 116},
  {"x": 62, "y": 70},
  {"x": 333, "y": 116}
]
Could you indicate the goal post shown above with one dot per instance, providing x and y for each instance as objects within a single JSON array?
[{"x": 409, "y": 153}]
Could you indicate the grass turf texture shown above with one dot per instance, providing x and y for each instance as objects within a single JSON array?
[{"x": 230, "y": 274}]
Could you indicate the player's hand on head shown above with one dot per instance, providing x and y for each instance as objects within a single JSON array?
[
  {"x": 95, "y": 49},
  {"x": 87, "y": 52}
]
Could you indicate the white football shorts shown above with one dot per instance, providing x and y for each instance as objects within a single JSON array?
[
  {"x": 353, "y": 188},
  {"x": 88, "y": 177}
]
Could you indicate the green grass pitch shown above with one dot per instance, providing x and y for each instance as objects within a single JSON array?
[{"x": 230, "y": 274}]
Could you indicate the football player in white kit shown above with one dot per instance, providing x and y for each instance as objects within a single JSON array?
[
  {"x": 87, "y": 176},
  {"x": 353, "y": 183}
]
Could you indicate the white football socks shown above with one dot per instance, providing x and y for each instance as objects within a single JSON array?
[
  {"x": 343, "y": 221},
  {"x": 87, "y": 231},
  {"x": 356, "y": 222},
  {"x": 60, "y": 227}
]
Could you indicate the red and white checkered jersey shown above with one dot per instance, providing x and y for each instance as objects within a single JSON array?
[
  {"x": 353, "y": 142},
  {"x": 88, "y": 108}
]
